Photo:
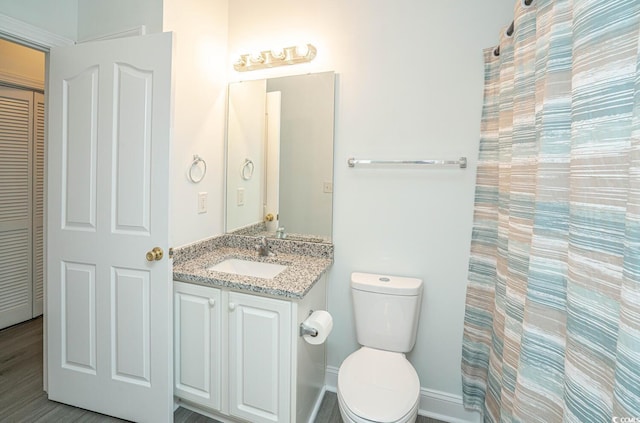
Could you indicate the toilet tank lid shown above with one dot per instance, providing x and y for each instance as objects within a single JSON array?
[{"x": 386, "y": 284}]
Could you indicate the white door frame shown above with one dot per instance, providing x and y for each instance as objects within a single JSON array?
[{"x": 31, "y": 36}]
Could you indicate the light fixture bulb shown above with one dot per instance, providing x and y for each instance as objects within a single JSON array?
[
  {"x": 278, "y": 53},
  {"x": 257, "y": 58},
  {"x": 302, "y": 50},
  {"x": 242, "y": 62}
]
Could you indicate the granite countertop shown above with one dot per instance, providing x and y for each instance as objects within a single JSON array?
[{"x": 305, "y": 265}]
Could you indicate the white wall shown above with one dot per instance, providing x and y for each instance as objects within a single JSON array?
[
  {"x": 59, "y": 16},
  {"x": 410, "y": 81},
  {"x": 199, "y": 114},
  {"x": 98, "y": 17}
]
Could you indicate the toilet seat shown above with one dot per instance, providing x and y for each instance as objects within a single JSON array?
[{"x": 378, "y": 386}]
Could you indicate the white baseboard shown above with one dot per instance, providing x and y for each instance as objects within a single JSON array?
[
  {"x": 446, "y": 407},
  {"x": 316, "y": 407},
  {"x": 331, "y": 379},
  {"x": 435, "y": 404}
]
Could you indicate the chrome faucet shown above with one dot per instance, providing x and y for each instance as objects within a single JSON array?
[{"x": 264, "y": 249}]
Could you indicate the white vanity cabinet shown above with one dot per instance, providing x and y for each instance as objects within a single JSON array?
[{"x": 238, "y": 356}]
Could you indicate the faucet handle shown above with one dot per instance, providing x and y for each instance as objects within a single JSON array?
[
  {"x": 264, "y": 249},
  {"x": 261, "y": 243}
]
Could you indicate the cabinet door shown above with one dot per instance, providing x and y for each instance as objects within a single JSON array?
[
  {"x": 197, "y": 344},
  {"x": 260, "y": 334}
]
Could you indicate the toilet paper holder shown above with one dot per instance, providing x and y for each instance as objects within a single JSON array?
[{"x": 306, "y": 330}]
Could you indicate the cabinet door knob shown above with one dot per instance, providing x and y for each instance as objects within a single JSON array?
[
  {"x": 212, "y": 302},
  {"x": 232, "y": 306}
]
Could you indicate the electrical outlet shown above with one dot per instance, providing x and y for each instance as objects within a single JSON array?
[
  {"x": 327, "y": 187},
  {"x": 202, "y": 202}
]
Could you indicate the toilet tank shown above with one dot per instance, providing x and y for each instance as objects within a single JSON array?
[{"x": 386, "y": 310}]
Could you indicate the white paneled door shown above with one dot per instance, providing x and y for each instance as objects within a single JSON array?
[{"x": 109, "y": 309}]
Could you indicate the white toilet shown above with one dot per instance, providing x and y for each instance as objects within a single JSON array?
[{"x": 377, "y": 383}]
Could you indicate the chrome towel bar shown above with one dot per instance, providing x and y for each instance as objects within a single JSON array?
[
  {"x": 195, "y": 178},
  {"x": 462, "y": 162}
]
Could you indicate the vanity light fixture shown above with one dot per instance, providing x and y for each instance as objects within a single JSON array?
[{"x": 271, "y": 58}]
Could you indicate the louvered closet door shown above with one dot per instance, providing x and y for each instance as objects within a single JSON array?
[
  {"x": 38, "y": 204},
  {"x": 16, "y": 126}
]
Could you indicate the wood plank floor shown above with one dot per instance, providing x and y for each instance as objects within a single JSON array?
[{"x": 23, "y": 400}]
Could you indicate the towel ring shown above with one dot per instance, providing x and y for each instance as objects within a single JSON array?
[
  {"x": 246, "y": 170},
  {"x": 194, "y": 165}
]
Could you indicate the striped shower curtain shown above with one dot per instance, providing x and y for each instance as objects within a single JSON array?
[{"x": 552, "y": 320}]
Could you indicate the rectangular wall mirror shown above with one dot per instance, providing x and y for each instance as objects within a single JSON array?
[{"x": 280, "y": 157}]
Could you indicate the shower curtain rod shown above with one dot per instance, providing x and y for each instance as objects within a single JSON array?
[{"x": 496, "y": 52}]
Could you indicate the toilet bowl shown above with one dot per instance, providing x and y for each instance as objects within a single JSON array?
[
  {"x": 377, "y": 383},
  {"x": 378, "y": 386}
]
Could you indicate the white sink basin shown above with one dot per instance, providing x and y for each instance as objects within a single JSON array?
[{"x": 256, "y": 269}]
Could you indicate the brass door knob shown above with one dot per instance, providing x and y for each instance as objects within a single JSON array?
[{"x": 155, "y": 254}]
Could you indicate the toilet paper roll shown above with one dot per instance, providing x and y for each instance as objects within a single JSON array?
[{"x": 321, "y": 321}]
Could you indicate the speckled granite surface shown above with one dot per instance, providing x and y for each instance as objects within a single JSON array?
[
  {"x": 305, "y": 261},
  {"x": 260, "y": 230}
]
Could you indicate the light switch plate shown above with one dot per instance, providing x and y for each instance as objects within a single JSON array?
[
  {"x": 240, "y": 196},
  {"x": 202, "y": 202}
]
